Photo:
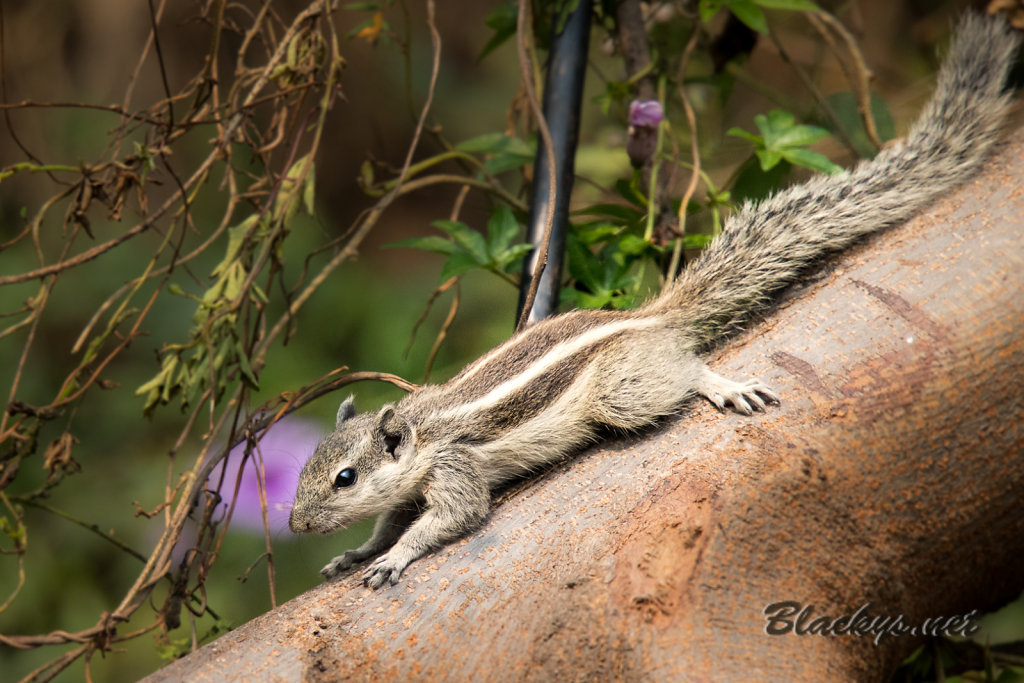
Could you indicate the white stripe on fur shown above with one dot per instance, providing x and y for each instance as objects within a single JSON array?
[{"x": 557, "y": 354}]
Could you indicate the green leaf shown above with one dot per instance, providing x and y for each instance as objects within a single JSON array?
[
  {"x": 769, "y": 158},
  {"x": 754, "y": 183},
  {"x": 614, "y": 92},
  {"x": 506, "y": 152},
  {"x": 619, "y": 212},
  {"x": 628, "y": 191},
  {"x": 749, "y": 13},
  {"x": 366, "y": 174},
  {"x": 160, "y": 388},
  {"x": 464, "y": 236},
  {"x": 696, "y": 240},
  {"x": 457, "y": 264},
  {"x": 634, "y": 245},
  {"x": 153, "y": 386},
  {"x": 468, "y": 249},
  {"x": 433, "y": 243},
  {"x": 708, "y": 9},
  {"x": 509, "y": 257},
  {"x": 308, "y": 196},
  {"x": 605, "y": 275},
  {"x": 499, "y": 163},
  {"x": 502, "y": 230},
  {"x": 800, "y": 136},
  {"x": 502, "y": 20},
  {"x": 624, "y": 301},
  {"x": 257, "y": 294},
  {"x": 595, "y": 232},
  {"x": 584, "y": 266},
  {"x": 245, "y": 367},
  {"x": 848, "y": 119},
  {"x": 564, "y": 9},
  {"x": 236, "y": 237},
  {"x": 783, "y": 138},
  {"x": 286, "y": 203},
  {"x": 492, "y": 143},
  {"x": 236, "y": 275},
  {"x": 581, "y": 299},
  {"x": 799, "y": 5},
  {"x": 773, "y": 124},
  {"x": 740, "y": 133},
  {"x": 810, "y": 159}
]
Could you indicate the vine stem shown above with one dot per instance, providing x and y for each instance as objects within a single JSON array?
[
  {"x": 691, "y": 187},
  {"x": 529, "y": 86}
]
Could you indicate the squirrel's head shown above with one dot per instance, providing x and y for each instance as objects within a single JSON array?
[{"x": 355, "y": 472}]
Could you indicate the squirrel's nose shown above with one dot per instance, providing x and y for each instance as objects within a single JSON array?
[{"x": 298, "y": 525}]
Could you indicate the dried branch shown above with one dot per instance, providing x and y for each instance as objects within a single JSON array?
[
  {"x": 859, "y": 76},
  {"x": 526, "y": 72}
]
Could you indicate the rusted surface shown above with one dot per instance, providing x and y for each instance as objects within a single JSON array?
[{"x": 892, "y": 474}]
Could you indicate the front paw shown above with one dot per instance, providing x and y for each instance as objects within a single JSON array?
[
  {"x": 341, "y": 563},
  {"x": 385, "y": 570}
]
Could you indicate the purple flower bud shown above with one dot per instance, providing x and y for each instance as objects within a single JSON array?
[
  {"x": 642, "y": 141},
  {"x": 646, "y": 114},
  {"x": 285, "y": 447}
]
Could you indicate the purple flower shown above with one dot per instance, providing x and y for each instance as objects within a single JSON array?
[
  {"x": 285, "y": 448},
  {"x": 645, "y": 114},
  {"x": 642, "y": 140}
]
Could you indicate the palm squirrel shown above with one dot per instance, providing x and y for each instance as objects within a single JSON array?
[{"x": 427, "y": 464}]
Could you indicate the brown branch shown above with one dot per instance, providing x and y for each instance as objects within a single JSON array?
[
  {"x": 631, "y": 36},
  {"x": 118, "y": 348},
  {"x": 526, "y": 73},
  {"x": 859, "y": 76},
  {"x": 368, "y": 219},
  {"x": 816, "y": 93},
  {"x": 157, "y": 565},
  {"x": 100, "y": 249},
  {"x": 691, "y": 187},
  {"x": 443, "y": 332},
  {"x": 492, "y": 187},
  {"x": 112, "y": 108}
]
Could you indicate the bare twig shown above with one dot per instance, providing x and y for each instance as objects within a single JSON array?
[
  {"x": 526, "y": 72},
  {"x": 691, "y": 187},
  {"x": 859, "y": 76},
  {"x": 816, "y": 93}
]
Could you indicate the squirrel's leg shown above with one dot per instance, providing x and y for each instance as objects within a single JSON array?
[
  {"x": 386, "y": 530},
  {"x": 457, "y": 501},
  {"x": 745, "y": 397},
  {"x": 626, "y": 397}
]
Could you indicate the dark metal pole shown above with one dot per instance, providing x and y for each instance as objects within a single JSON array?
[{"x": 563, "y": 93}]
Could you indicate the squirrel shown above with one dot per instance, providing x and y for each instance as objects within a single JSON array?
[{"x": 426, "y": 465}]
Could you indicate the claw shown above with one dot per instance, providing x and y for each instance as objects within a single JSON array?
[
  {"x": 744, "y": 398},
  {"x": 740, "y": 404},
  {"x": 756, "y": 400},
  {"x": 383, "y": 571}
]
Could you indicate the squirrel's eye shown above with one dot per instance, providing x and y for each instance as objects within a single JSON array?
[{"x": 346, "y": 477}]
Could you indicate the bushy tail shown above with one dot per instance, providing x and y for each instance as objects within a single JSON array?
[{"x": 765, "y": 246}]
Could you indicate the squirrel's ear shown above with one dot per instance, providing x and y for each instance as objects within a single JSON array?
[
  {"x": 345, "y": 411},
  {"x": 397, "y": 435}
]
